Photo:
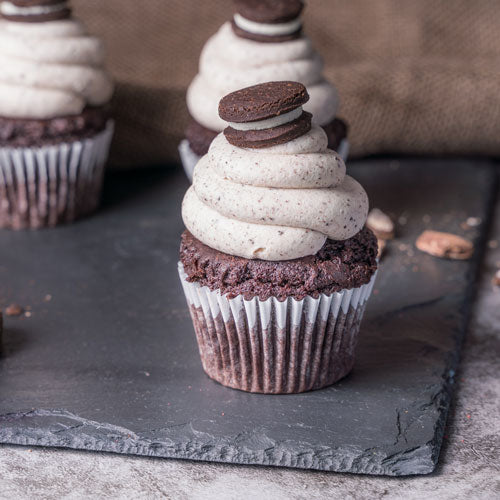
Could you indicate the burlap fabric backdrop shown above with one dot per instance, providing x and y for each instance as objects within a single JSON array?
[{"x": 414, "y": 76}]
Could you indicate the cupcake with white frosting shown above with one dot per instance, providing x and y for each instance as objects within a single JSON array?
[
  {"x": 55, "y": 128},
  {"x": 264, "y": 42},
  {"x": 276, "y": 262}
]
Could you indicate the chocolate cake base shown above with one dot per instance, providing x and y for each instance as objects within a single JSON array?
[
  {"x": 27, "y": 133},
  {"x": 337, "y": 266},
  {"x": 199, "y": 137},
  {"x": 336, "y": 131}
]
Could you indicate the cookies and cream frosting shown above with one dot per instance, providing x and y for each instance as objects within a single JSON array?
[
  {"x": 50, "y": 69},
  {"x": 228, "y": 63},
  {"x": 276, "y": 203}
]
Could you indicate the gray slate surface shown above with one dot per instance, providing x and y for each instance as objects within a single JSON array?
[{"x": 110, "y": 362}]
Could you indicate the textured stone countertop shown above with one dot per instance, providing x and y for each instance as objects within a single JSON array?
[{"x": 469, "y": 465}]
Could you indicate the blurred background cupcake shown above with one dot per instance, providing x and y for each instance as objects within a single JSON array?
[
  {"x": 55, "y": 127},
  {"x": 276, "y": 263},
  {"x": 263, "y": 42}
]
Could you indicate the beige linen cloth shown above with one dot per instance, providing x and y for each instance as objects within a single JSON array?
[{"x": 414, "y": 77}]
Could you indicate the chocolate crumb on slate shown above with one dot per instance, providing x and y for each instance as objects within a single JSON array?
[
  {"x": 496, "y": 278},
  {"x": 382, "y": 244},
  {"x": 445, "y": 245},
  {"x": 381, "y": 224},
  {"x": 14, "y": 310}
]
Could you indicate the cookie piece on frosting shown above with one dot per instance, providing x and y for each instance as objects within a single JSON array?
[
  {"x": 268, "y": 20},
  {"x": 34, "y": 11},
  {"x": 265, "y": 115},
  {"x": 262, "y": 101}
]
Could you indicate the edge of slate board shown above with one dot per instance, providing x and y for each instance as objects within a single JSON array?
[{"x": 62, "y": 429}]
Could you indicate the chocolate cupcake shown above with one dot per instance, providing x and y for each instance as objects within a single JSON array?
[
  {"x": 263, "y": 42},
  {"x": 276, "y": 263},
  {"x": 55, "y": 128}
]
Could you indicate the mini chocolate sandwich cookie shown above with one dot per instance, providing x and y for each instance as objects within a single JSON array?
[
  {"x": 266, "y": 114},
  {"x": 34, "y": 11},
  {"x": 268, "y": 20}
]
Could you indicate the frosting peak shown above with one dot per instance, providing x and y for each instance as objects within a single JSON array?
[{"x": 276, "y": 203}]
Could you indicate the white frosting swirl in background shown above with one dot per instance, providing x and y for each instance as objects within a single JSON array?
[
  {"x": 50, "y": 69},
  {"x": 275, "y": 203},
  {"x": 229, "y": 63}
]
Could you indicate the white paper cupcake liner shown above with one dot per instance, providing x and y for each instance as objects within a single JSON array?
[
  {"x": 189, "y": 158},
  {"x": 276, "y": 347},
  {"x": 46, "y": 186}
]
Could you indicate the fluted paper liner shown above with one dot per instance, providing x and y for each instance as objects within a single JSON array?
[
  {"x": 46, "y": 186},
  {"x": 276, "y": 347},
  {"x": 189, "y": 158}
]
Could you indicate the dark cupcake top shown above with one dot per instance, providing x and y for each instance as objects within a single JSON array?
[{"x": 337, "y": 266}]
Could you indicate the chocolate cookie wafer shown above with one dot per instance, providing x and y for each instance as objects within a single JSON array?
[
  {"x": 34, "y": 11},
  {"x": 266, "y": 114},
  {"x": 268, "y": 20}
]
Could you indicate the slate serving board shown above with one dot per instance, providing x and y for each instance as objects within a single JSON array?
[{"x": 107, "y": 358}]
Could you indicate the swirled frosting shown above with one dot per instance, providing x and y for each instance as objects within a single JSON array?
[
  {"x": 50, "y": 69},
  {"x": 229, "y": 63},
  {"x": 276, "y": 203}
]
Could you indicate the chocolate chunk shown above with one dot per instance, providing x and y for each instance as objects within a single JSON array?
[
  {"x": 265, "y": 38},
  {"x": 25, "y": 132},
  {"x": 269, "y": 11},
  {"x": 445, "y": 245},
  {"x": 199, "y": 137},
  {"x": 336, "y": 131},
  {"x": 270, "y": 136},
  {"x": 14, "y": 310},
  {"x": 381, "y": 224},
  {"x": 337, "y": 266},
  {"x": 262, "y": 101}
]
